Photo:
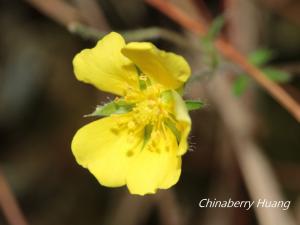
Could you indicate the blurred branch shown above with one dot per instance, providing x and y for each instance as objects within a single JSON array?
[
  {"x": 199, "y": 28},
  {"x": 243, "y": 24},
  {"x": 58, "y": 10},
  {"x": 86, "y": 32},
  {"x": 84, "y": 11},
  {"x": 150, "y": 33},
  {"x": 169, "y": 209},
  {"x": 92, "y": 13},
  {"x": 130, "y": 210},
  {"x": 133, "y": 210},
  {"x": 297, "y": 210},
  {"x": 257, "y": 172},
  {"x": 200, "y": 5},
  {"x": 154, "y": 33},
  {"x": 225, "y": 181},
  {"x": 285, "y": 8},
  {"x": 255, "y": 168},
  {"x": 89, "y": 12},
  {"x": 9, "y": 204}
]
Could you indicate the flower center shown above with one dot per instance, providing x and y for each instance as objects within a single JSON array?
[
  {"x": 150, "y": 117},
  {"x": 150, "y": 107}
]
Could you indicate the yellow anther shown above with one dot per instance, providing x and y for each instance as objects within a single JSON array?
[
  {"x": 131, "y": 125},
  {"x": 152, "y": 103}
]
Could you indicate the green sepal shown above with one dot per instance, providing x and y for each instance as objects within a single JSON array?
[
  {"x": 138, "y": 70},
  {"x": 147, "y": 134},
  {"x": 172, "y": 126},
  {"x": 114, "y": 107},
  {"x": 142, "y": 83},
  {"x": 166, "y": 96},
  {"x": 194, "y": 104}
]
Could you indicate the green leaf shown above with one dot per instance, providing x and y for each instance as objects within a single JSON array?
[
  {"x": 261, "y": 57},
  {"x": 276, "y": 75},
  {"x": 240, "y": 84},
  {"x": 211, "y": 56},
  {"x": 194, "y": 104},
  {"x": 215, "y": 28},
  {"x": 113, "y": 107},
  {"x": 147, "y": 134},
  {"x": 172, "y": 126},
  {"x": 138, "y": 70}
]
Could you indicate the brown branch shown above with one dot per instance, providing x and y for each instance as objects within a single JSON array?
[
  {"x": 92, "y": 13},
  {"x": 58, "y": 10},
  {"x": 231, "y": 53},
  {"x": 149, "y": 33},
  {"x": 9, "y": 204}
]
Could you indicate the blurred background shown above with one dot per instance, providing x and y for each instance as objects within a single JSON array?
[{"x": 244, "y": 145}]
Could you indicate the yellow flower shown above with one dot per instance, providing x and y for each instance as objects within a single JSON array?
[{"x": 141, "y": 146}]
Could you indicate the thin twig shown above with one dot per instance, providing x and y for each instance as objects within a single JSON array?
[
  {"x": 9, "y": 204},
  {"x": 78, "y": 22},
  {"x": 231, "y": 53},
  {"x": 149, "y": 33},
  {"x": 154, "y": 33}
]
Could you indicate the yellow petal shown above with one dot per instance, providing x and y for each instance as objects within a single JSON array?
[
  {"x": 105, "y": 67},
  {"x": 105, "y": 149},
  {"x": 155, "y": 168},
  {"x": 184, "y": 122},
  {"x": 166, "y": 68}
]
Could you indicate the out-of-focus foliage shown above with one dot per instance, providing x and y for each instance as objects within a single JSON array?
[
  {"x": 210, "y": 53},
  {"x": 260, "y": 58}
]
